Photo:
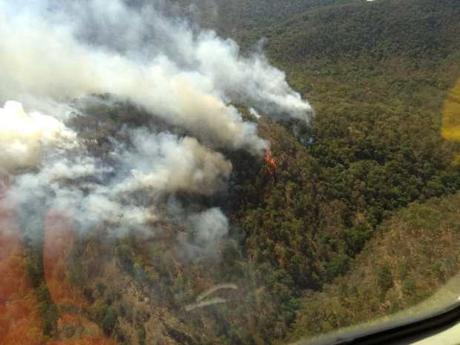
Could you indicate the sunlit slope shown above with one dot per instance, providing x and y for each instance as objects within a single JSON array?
[{"x": 413, "y": 254}]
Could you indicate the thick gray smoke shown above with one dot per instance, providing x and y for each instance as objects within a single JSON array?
[{"x": 54, "y": 54}]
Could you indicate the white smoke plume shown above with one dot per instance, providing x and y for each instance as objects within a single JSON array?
[
  {"x": 208, "y": 227},
  {"x": 24, "y": 135},
  {"x": 55, "y": 54},
  {"x": 168, "y": 164},
  {"x": 125, "y": 191}
]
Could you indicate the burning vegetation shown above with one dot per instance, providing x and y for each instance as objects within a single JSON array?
[
  {"x": 131, "y": 140},
  {"x": 270, "y": 162},
  {"x": 133, "y": 187}
]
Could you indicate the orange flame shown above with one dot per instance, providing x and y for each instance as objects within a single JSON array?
[{"x": 270, "y": 162}]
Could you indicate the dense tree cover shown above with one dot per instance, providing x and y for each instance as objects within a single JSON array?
[
  {"x": 421, "y": 29},
  {"x": 413, "y": 254},
  {"x": 242, "y": 18},
  {"x": 377, "y": 75},
  {"x": 375, "y": 144}
]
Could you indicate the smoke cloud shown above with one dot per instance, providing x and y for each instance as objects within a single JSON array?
[
  {"x": 23, "y": 135},
  {"x": 54, "y": 55}
]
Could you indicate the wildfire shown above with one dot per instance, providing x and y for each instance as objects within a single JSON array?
[{"x": 270, "y": 162}]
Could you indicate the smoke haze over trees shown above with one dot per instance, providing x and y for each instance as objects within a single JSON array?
[{"x": 144, "y": 135}]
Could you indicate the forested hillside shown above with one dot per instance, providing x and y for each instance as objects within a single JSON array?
[
  {"x": 376, "y": 141},
  {"x": 377, "y": 75},
  {"x": 241, "y": 19},
  {"x": 359, "y": 204},
  {"x": 412, "y": 255}
]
